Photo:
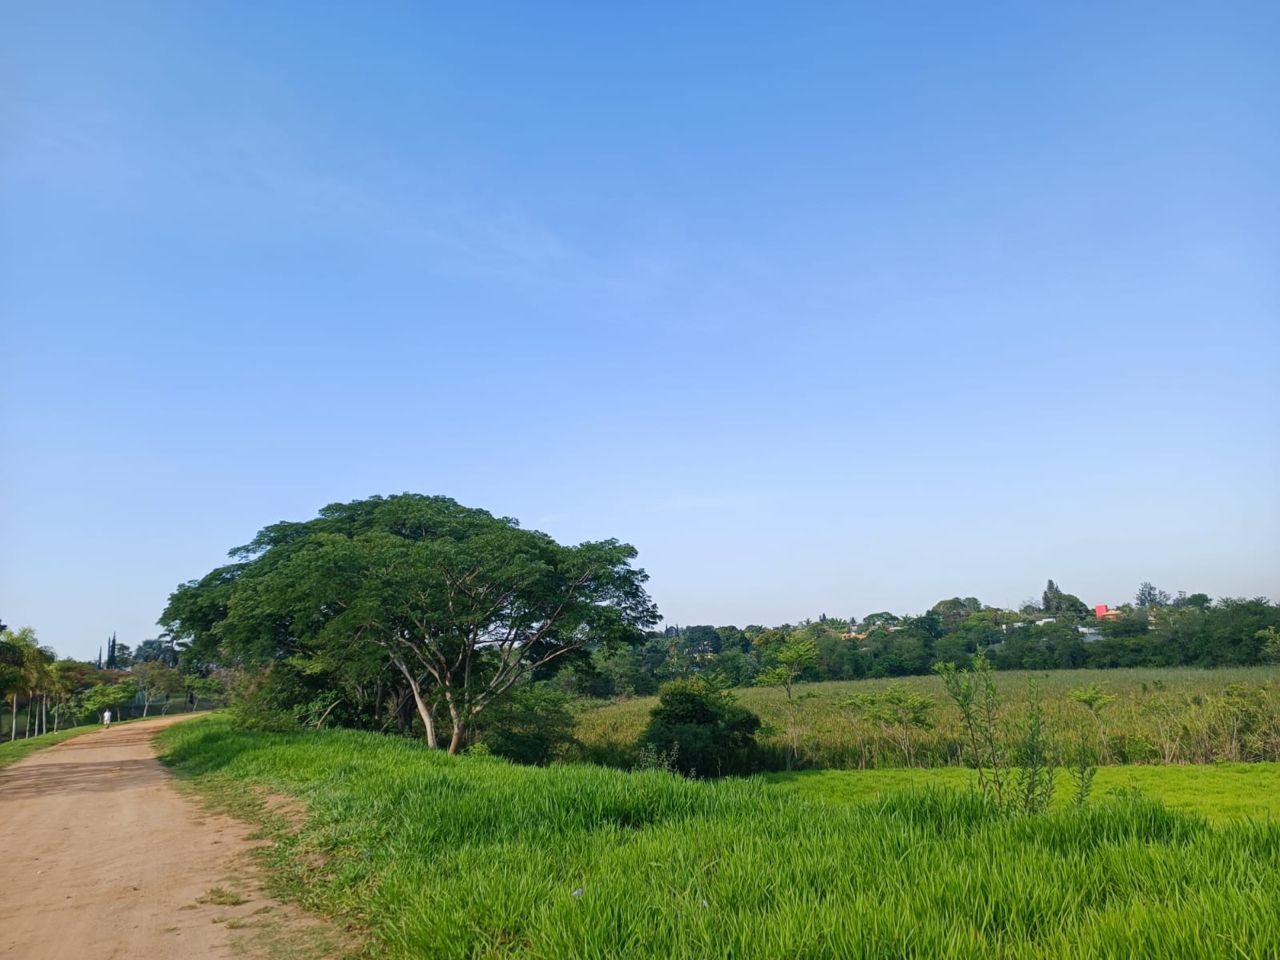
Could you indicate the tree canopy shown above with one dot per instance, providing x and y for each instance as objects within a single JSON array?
[{"x": 461, "y": 605}]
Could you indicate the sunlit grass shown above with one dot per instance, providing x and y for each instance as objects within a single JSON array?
[
  {"x": 1159, "y": 715},
  {"x": 1219, "y": 792},
  {"x": 470, "y": 857},
  {"x": 13, "y": 751}
]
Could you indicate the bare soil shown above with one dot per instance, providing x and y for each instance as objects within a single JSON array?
[{"x": 101, "y": 857}]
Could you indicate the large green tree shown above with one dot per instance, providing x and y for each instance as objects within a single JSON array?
[{"x": 462, "y": 605}]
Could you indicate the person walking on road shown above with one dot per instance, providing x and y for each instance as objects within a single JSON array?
[{"x": 106, "y": 718}]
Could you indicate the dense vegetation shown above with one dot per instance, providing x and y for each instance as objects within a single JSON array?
[
  {"x": 1058, "y": 632},
  {"x": 460, "y": 630},
  {"x": 46, "y": 694},
  {"x": 1138, "y": 715},
  {"x": 469, "y": 857},
  {"x": 417, "y": 615},
  {"x": 404, "y": 610}
]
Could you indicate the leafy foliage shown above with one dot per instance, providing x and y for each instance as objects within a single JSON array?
[
  {"x": 896, "y": 709},
  {"x": 534, "y": 725},
  {"x": 110, "y": 696},
  {"x": 413, "y": 598},
  {"x": 702, "y": 729},
  {"x": 1059, "y": 633}
]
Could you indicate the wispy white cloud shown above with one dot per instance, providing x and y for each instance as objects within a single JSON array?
[{"x": 260, "y": 173}]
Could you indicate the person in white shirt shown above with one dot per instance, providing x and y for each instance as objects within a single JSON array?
[{"x": 106, "y": 718}]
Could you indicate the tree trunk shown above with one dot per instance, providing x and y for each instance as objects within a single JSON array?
[
  {"x": 428, "y": 723},
  {"x": 146, "y": 705},
  {"x": 404, "y": 711},
  {"x": 455, "y": 718},
  {"x": 13, "y": 723}
]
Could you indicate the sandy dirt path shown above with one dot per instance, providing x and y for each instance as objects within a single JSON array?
[{"x": 101, "y": 857}]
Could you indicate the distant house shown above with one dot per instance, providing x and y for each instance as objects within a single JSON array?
[
  {"x": 1089, "y": 634},
  {"x": 1103, "y": 612}
]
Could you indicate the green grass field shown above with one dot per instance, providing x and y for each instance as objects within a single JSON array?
[
  {"x": 1219, "y": 792},
  {"x": 1159, "y": 715},
  {"x": 471, "y": 857}
]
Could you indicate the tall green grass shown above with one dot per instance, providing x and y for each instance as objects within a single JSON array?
[
  {"x": 1159, "y": 715},
  {"x": 470, "y": 857},
  {"x": 1219, "y": 792}
]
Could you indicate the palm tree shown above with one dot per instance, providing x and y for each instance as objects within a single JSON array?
[
  {"x": 11, "y": 659},
  {"x": 61, "y": 688},
  {"x": 32, "y": 675}
]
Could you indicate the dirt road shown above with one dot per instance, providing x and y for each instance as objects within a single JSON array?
[{"x": 101, "y": 857}]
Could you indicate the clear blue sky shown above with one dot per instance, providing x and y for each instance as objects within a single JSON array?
[{"x": 824, "y": 308}]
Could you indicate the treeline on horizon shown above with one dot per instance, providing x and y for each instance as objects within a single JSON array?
[
  {"x": 417, "y": 615},
  {"x": 1060, "y": 632},
  {"x": 45, "y": 694}
]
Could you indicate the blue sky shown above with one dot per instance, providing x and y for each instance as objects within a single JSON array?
[{"x": 825, "y": 308}]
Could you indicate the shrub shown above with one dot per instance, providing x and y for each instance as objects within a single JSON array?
[
  {"x": 264, "y": 701},
  {"x": 702, "y": 729},
  {"x": 896, "y": 710},
  {"x": 534, "y": 725}
]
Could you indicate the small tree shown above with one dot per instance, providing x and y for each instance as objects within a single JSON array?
[
  {"x": 897, "y": 711},
  {"x": 62, "y": 687},
  {"x": 701, "y": 728},
  {"x": 1084, "y": 765},
  {"x": 1037, "y": 769},
  {"x": 792, "y": 659},
  {"x": 534, "y": 725},
  {"x": 974, "y": 693},
  {"x": 155, "y": 680},
  {"x": 1093, "y": 699},
  {"x": 108, "y": 696},
  {"x": 203, "y": 688}
]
